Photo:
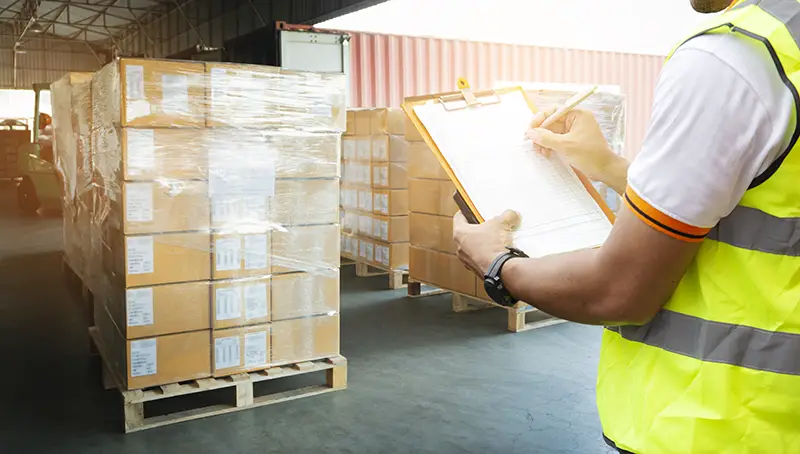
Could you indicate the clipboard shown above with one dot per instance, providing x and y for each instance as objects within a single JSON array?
[{"x": 463, "y": 99}]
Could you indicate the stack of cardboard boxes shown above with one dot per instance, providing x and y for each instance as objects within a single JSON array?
[
  {"x": 433, "y": 254},
  {"x": 216, "y": 218},
  {"x": 374, "y": 195},
  {"x": 72, "y": 116}
]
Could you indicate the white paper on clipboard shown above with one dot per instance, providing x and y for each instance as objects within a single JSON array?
[{"x": 487, "y": 150}]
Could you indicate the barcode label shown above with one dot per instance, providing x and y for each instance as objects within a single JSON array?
[
  {"x": 382, "y": 203},
  {"x": 228, "y": 303},
  {"x": 381, "y": 229},
  {"x": 255, "y": 252},
  {"x": 140, "y": 255},
  {"x": 144, "y": 358},
  {"x": 255, "y": 301},
  {"x": 382, "y": 255},
  {"x": 365, "y": 200},
  {"x": 228, "y": 254},
  {"x": 139, "y": 306},
  {"x": 380, "y": 150},
  {"x": 226, "y": 353},
  {"x": 139, "y": 202},
  {"x": 134, "y": 82},
  {"x": 141, "y": 150},
  {"x": 255, "y": 349}
]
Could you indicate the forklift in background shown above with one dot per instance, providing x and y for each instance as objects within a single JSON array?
[{"x": 39, "y": 187}]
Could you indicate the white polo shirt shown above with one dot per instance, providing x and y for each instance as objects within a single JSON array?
[{"x": 721, "y": 116}]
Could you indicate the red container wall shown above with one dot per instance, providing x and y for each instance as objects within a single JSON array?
[{"x": 387, "y": 68}]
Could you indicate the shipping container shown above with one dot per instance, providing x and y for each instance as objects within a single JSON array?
[{"x": 387, "y": 68}]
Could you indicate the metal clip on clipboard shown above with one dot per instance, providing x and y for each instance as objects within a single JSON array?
[{"x": 466, "y": 98}]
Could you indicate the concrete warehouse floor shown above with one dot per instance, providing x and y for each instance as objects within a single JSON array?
[{"x": 421, "y": 380}]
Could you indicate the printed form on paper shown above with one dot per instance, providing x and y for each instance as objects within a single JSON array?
[{"x": 495, "y": 163}]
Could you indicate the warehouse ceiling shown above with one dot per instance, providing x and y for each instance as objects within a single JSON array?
[{"x": 83, "y": 20}]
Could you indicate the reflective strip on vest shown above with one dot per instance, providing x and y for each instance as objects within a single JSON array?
[
  {"x": 787, "y": 12},
  {"x": 716, "y": 342},
  {"x": 754, "y": 230}
]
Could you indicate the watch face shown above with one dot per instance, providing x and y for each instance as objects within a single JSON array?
[{"x": 493, "y": 290}]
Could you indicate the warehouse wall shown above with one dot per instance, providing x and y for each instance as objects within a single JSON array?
[
  {"x": 43, "y": 61},
  {"x": 214, "y": 22},
  {"x": 386, "y": 68}
]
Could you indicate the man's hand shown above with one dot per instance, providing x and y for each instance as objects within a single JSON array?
[
  {"x": 579, "y": 139},
  {"x": 479, "y": 244}
]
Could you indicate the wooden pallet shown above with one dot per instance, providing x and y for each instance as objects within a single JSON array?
[
  {"x": 240, "y": 386},
  {"x": 521, "y": 317},
  {"x": 397, "y": 278}
]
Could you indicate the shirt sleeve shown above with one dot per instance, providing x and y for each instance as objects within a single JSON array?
[{"x": 704, "y": 146}]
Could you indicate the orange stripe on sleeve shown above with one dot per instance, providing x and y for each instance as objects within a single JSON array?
[{"x": 662, "y": 222}]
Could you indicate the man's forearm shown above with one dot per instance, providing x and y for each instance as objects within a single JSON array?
[{"x": 569, "y": 286}]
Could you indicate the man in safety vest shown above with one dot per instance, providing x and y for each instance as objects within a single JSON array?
[{"x": 698, "y": 284}]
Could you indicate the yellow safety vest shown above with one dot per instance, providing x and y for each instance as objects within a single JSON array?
[{"x": 718, "y": 369}]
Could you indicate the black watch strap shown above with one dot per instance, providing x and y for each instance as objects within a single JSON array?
[{"x": 494, "y": 284}]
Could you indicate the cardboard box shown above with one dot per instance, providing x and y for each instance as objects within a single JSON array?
[
  {"x": 357, "y": 173},
  {"x": 389, "y": 148},
  {"x": 349, "y": 221},
  {"x": 230, "y": 86},
  {"x": 159, "y": 93},
  {"x": 432, "y": 232},
  {"x": 377, "y": 121},
  {"x": 304, "y": 155},
  {"x": 366, "y": 250},
  {"x": 300, "y": 202},
  {"x": 351, "y": 123},
  {"x": 422, "y": 163},
  {"x": 154, "y": 311},
  {"x": 362, "y": 122},
  {"x": 390, "y": 202},
  {"x": 392, "y": 256},
  {"x": 348, "y": 198},
  {"x": 365, "y": 200},
  {"x": 236, "y": 255},
  {"x": 395, "y": 121},
  {"x": 441, "y": 270},
  {"x": 154, "y": 361},
  {"x": 349, "y": 246},
  {"x": 164, "y": 206},
  {"x": 390, "y": 229},
  {"x": 349, "y": 147},
  {"x": 411, "y": 133},
  {"x": 148, "y": 154},
  {"x": 305, "y": 339},
  {"x": 390, "y": 175},
  {"x": 432, "y": 197},
  {"x": 240, "y": 350},
  {"x": 146, "y": 260},
  {"x": 312, "y": 249},
  {"x": 240, "y": 212},
  {"x": 453, "y": 275},
  {"x": 273, "y": 97},
  {"x": 303, "y": 295},
  {"x": 240, "y": 302}
]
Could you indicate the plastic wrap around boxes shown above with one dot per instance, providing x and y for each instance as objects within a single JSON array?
[
  {"x": 432, "y": 256},
  {"x": 215, "y": 221},
  {"x": 374, "y": 195}
]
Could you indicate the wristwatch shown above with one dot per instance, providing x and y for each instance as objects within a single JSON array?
[{"x": 492, "y": 282}]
